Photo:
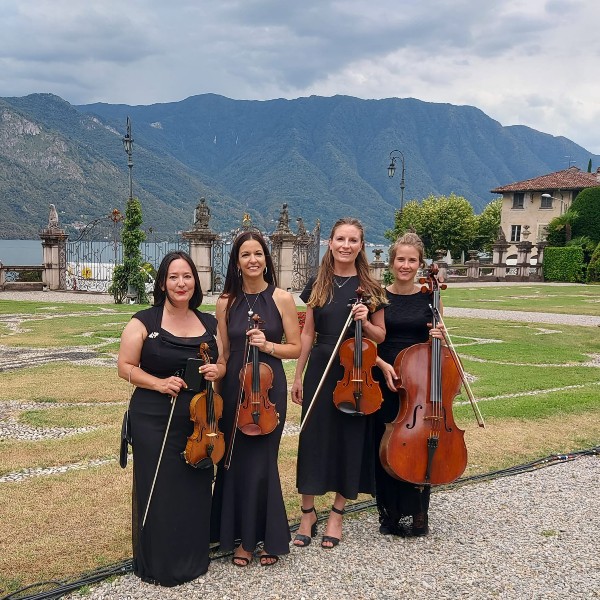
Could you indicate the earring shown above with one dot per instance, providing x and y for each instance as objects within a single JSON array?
[
  {"x": 265, "y": 270},
  {"x": 239, "y": 273}
]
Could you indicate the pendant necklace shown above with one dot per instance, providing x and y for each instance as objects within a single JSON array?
[
  {"x": 341, "y": 285},
  {"x": 250, "y": 308}
]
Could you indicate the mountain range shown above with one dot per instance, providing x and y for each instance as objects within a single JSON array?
[{"x": 326, "y": 157}]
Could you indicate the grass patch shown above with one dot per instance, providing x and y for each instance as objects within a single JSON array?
[{"x": 568, "y": 299}]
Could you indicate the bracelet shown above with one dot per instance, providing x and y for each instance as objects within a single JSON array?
[{"x": 272, "y": 348}]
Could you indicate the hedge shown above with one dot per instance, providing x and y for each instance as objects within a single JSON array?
[{"x": 564, "y": 264}]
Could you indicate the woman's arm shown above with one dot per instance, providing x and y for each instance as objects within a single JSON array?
[
  {"x": 307, "y": 339},
  {"x": 128, "y": 363},
  {"x": 289, "y": 317}
]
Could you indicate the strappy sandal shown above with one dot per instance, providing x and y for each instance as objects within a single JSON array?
[
  {"x": 265, "y": 559},
  {"x": 313, "y": 530},
  {"x": 244, "y": 560},
  {"x": 329, "y": 538}
]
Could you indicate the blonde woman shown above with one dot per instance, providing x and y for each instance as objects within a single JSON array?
[{"x": 334, "y": 453}]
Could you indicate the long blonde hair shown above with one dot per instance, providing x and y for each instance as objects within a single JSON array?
[{"x": 322, "y": 289}]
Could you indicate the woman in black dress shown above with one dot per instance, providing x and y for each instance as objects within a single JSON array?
[
  {"x": 407, "y": 321},
  {"x": 172, "y": 546},
  {"x": 248, "y": 505},
  {"x": 334, "y": 452}
]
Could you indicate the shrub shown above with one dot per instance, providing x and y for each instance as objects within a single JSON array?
[
  {"x": 587, "y": 207},
  {"x": 593, "y": 269},
  {"x": 564, "y": 264}
]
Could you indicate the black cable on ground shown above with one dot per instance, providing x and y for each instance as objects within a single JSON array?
[{"x": 63, "y": 588}]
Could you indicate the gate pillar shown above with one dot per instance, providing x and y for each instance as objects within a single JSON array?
[
  {"x": 54, "y": 242},
  {"x": 201, "y": 239},
  {"x": 283, "y": 241}
]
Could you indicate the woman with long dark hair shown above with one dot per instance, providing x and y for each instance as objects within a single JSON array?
[
  {"x": 172, "y": 546},
  {"x": 334, "y": 452},
  {"x": 248, "y": 505}
]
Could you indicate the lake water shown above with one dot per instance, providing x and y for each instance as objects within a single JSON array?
[{"x": 29, "y": 252}]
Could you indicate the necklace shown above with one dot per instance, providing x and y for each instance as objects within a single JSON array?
[
  {"x": 250, "y": 308},
  {"x": 341, "y": 285}
]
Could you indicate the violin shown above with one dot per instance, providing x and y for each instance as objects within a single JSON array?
[
  {"x": 357, "y": 393},
  {"x": 257, "y": 415},
  {"x": 423, "y": 445},
  {"x": 206, "y": 446}
]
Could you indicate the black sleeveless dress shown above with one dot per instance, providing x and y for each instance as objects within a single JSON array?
[
  {"x": 247, "y": 501},
  {"x": 172, "y": 548},
  {"x": 335, "y": 449},
  {"x": 406, "y": 318}
]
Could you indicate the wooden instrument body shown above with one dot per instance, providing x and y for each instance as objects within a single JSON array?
[{"x": 423, "y": 445}]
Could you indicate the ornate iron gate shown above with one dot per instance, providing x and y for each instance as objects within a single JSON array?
[{"x": 306, "y": 254}]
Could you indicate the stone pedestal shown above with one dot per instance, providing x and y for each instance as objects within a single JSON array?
[
  {"x": 523, "y": 252},
  {"x": 377, "y": 266},
  {"x": 472, "y": 266},
  {"x": 500, "y": 248},
  {"x": 54, "y": 246},
  {"x": 283, "y": 258},
  {"x": 201, "y": 239}
]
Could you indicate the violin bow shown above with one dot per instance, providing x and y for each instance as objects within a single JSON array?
[
  {"x": 331, "y": 358},
  {"x": 162, "y": 449},
  {"x": 237, "y": 412},
  {"x": 459, "y": 366}
]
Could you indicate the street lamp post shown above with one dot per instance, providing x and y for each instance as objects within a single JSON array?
[
  {"x": 128, "y": 145},
  {"x": 561, "y": 200},
  {"x": 392, "y": 171}
]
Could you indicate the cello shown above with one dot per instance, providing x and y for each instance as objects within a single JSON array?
[
  {"x": 206, "y": 446},
  {"x": 423, "y": 445},
  {"x": 357, "y": 393}
]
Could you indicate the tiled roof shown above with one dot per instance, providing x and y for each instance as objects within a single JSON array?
[{"x": 568, "y": 179}]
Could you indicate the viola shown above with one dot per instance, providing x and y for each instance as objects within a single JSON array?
[
  {"x": 257, "y": 415},
  {"x": 423, "y": 445},
  {"x": 206, "y": 446},
  {"x": 357, "y": 393}
]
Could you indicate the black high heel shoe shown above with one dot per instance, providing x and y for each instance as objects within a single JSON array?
[
  {"x": 329, "y": 539},
  {"x": 420, "y": 524},
  {"x": 313, "y": 530}
]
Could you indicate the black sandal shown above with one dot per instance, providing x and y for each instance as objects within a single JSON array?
[
  {"x": 245, "y": 561},
  {"x": 313, "y": 530},
  {"x": 268, "y": 557},
  {"x": 329, "y": 538}
]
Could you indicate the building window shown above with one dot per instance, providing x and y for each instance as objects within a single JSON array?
[
  {"x": 518, "y": 200},
  {"x": 546, "y": 201},
  {"x": 515, "y": 233}
]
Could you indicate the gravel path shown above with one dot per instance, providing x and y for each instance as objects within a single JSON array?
[{"x": 533, "y": 535}]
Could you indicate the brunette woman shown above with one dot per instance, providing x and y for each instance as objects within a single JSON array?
[
  {"x": 334, "y": 453},
  {"x": 248, "y": 503},
  {"x": 170, "y": 548},
  {"x": 407, "y": 321}
]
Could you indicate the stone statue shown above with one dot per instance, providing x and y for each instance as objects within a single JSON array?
[
  {"x": 301, "y": 227},
  {"x": 201, "y": 215},
  {"x": 501, "y": 236},
  {"x": 283, "y": 225},
  {"x": 53, "y": 218},
  {"x": 247, "y": 221}
]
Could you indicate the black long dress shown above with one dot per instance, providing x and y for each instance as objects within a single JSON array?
[
  {"x": 248, "y": 501},
  {"x": 172, "y": 547},
  {"x": 406, "y": 318},
  {"x": 335, "y": 448}
]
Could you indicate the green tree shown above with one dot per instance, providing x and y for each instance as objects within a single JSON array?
[
  {"x": 487, "y": 225},
  {"x": 442, "y": 222},
  {"x": 587, "y": 207},
  {"x": 129, "y": 278},
  {"x": 593, "y": 268},
  {"x": 589, "y": 166},
  {"x": 560, "y": 229}
]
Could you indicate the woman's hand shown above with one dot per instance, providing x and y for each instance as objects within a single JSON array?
[
  {"x": 360, "y": 312},
  {"x": 390, "y": 375},
  {"x": 171, "y": 385},
  {"x": 257, "y": 338},
  {"x": 210, "y": 371},
  {"x": 296, "y": 392},
  {"x": 436, "y": 332}
]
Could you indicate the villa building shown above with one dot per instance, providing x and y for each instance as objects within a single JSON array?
[{"x": 528, "y": 206}]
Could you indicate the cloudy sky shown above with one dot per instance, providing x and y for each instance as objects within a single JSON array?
[{"x": 529, "y": 62}]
